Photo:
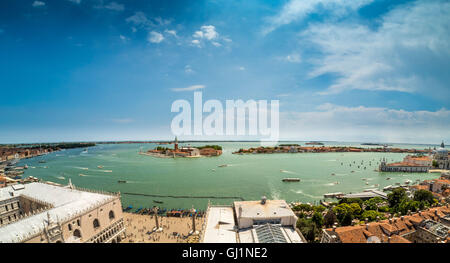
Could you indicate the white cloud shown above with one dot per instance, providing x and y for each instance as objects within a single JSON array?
[
  {"x": 123, "y": 38},
  {"x": 171, "y": 32},
  {"x": 241, "y": 68},
  {"x": 333, "y": 122},
  {"x": 38, "y": 4},
  {"x": 296, "y": 10},
  {"x": 196, "y": 42},
  {"x": 208, "y": 33},
  {"x": 188, "y": 69},
  {"x": 198, "y": 34},
  {"x": 155, "y": 37},
  {"x": 293, "y": 58},
  {"x": 75, "y": 1},
  {"x": 408, "y": 52},
  {"x": 190, "y": 88}
]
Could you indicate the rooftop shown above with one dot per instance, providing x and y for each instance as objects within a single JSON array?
[
  {"x": 271, "y": 209},
  {"x": 220, "y": 225},
  {"x": 66, "y": 203}
]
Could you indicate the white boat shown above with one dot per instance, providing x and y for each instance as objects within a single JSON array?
[{"x": 408, "y": 181}]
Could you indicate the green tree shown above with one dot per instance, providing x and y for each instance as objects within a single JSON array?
[
  {"x": 317, "y": 218},
  {"x": 330, "y": 218},
  {"x": 371, "y": 215},
  {"x": 396, "y": 197},
  {"x": 319, "y": 208},
  {"x": 424, "y": 195},
  {"x": 372, "y": 203}
]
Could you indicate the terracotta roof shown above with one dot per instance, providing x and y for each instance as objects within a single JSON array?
[{"x": 395, "y": 228}]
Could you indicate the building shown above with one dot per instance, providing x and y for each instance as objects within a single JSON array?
[
  {"x": 440, "y": 187},
  {"x": 51, "y": 213},
  {"x": 440, "y": 157},
  {"x": 208, "y": 151},
  {"x": 410, "y": 164},
  {"x": 265, "y": 221},
  {"x": 412, "y": 228}
]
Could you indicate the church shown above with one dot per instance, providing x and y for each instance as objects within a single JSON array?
[{"x": 440, "y": 158}]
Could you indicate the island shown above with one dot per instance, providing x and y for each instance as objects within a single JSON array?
[
  {"x": 325, "y": 149},
  {"x": 187, "y": 152}
]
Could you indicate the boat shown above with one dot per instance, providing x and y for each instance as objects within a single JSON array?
[
  {"x": 389, "y": 178},
  {"x": 100, "y": 166},
  {"x": 333, "y": 174},
  {"x": 82, "y": 175},
  {"x": 42, "y": 161},
  {"x": 85, "y": 151},
  {"x": 158, "y": 201},
  {"x": 408, "y": 181},
  {"x": 291, "y": 180},
  {"x": 223, "y": 165},
  {"x": 122, "y": 181}
]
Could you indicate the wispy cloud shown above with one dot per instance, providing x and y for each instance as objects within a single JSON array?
[
  {"x": 111, "y": 6},
  {"x": 408, "y": 52},
  {"x": 190, "y": 88},
  {"x": 378, "y": 124},
  {"x": 297, "y": 10},
  {"x": 38, "y": 4}
]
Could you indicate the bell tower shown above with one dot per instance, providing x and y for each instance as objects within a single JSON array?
[{"x": 176, "y": 143}]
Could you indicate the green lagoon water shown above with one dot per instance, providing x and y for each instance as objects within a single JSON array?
[{"x": 247, "y": 176}]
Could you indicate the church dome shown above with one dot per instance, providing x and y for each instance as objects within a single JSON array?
[{"x": 442, "y": 150}]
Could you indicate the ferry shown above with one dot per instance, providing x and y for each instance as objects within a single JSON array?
[
  {"x": 122, "y": 181},
  {"x": 223, "y": 165},
  {"x": 291, "y": 180},
  {"x": 82, "y": 175},
  {"x": 158, "y": 201}
]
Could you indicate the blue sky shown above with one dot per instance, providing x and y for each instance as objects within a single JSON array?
[{"x": 360, "y": 70}]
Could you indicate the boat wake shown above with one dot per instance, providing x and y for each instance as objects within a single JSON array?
[
  {"x": 307, "y": 195},
  {"x": 287, "y": 172},
  {"x": 82, "y": 168}
]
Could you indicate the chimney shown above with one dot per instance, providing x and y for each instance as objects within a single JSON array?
[
  {"x": 390, "y": 220},
  {"x": 389, "y": 239},
  {"x": 366, "y": 220},
  {"x": 402, "y": 218},
  {"x": 367, "y": 226},
  {"x": 334, "y": 228},
  {"x": 378, "y": 218}
]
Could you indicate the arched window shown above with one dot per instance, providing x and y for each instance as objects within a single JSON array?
[
  {"x": 77, "y": 233},
  {"x": 111, "y": 215},
  {"x": 96, "y": 223}
]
